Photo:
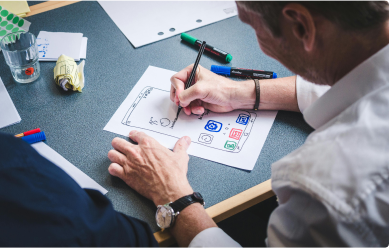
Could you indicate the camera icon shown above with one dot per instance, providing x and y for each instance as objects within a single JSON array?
[
  {"x": 206, "y": 138},
  {"x": 213, "y": 126}
]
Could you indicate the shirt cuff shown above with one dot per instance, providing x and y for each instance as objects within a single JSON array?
[
  {"x": 213, "y": 237},
  {"x": 308, "y": 93}
]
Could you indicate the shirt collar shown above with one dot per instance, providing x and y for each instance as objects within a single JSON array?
[{"x": 370, "y": 75}]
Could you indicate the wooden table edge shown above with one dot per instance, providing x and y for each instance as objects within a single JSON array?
[
  {"x": 46, "y": 6},
  {"x": 227, "y": 208}
]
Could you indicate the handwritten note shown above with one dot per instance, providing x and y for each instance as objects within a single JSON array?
[
  {"x": 51, "y": 45},
  {"x": 235, "y": 138}
]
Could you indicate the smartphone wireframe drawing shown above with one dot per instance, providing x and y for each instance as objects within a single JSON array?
[{"x": 153, "y": 110}]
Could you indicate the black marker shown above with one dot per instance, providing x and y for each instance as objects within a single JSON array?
[
  {"x": 240, "y": 72},
  {"x": 219, "y": 53},
  {"x": 193, "y": 73}
]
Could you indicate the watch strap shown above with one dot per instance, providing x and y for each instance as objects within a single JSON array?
[
  {"x": 257, "y": 94},
  {"x": 185, "y": 201}
]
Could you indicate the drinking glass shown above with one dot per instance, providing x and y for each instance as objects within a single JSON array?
[{"x": 21, "y": 54}]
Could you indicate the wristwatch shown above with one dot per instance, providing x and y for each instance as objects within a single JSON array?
[{"x": 167, "y": 214}]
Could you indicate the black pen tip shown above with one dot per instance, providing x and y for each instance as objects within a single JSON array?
[{"x": 178, "y": 112}]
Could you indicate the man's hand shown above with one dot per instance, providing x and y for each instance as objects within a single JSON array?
[
  {"x": 210, "y": 91},
  {"x": 150, "y": 168}
]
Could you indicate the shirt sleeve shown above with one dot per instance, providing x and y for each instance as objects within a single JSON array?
[
  {"x": 301, "y": 220},
  {"x": 213, "y": 237},
  {"x": 308, "y": 93}
]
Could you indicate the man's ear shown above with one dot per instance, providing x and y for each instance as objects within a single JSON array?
[{"x": 303, "y": 25}]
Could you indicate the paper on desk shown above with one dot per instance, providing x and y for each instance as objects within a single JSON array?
[
  {"x": 72, "y": 73},
  {"x": 8, "y": 113},
  {"x": 234, "y": 138},
  {"x": 144, "y": 22},
  {"x": 80, "y": 177},
  {"x": 52, "y": 44},
  {"x": 18, "y": 7},
  {"x": 84, "y": 44}
]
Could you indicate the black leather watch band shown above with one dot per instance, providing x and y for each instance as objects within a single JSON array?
[
  {"x": 187, "y": 200},
  {"x": 257, "y": 94}
]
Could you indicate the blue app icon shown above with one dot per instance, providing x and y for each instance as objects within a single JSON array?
[
  {"x": 243, "y": 119},
  {"x": 213, "y": 126}
]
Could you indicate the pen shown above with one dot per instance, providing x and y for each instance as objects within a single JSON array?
[
  {"x": 37, "y": 130},
  {"x": 34, "y": 138},
  {"x": 240, "y": 72},
  {"x": 215, "y": 51},
  {"x": 193, "y": 73}
]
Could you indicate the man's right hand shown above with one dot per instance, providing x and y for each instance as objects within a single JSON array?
[{"x": 210, "y": 91}]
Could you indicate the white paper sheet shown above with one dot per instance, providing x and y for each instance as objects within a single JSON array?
[
  {"x": 144, "y": 22},
  {"x": 234, "y": 138},
  {"x": 8, "y": 113},
  {"x": 51, "y": 45},
  {"x": 80, "y": 177},
  {"x": 84, "y": 44}
]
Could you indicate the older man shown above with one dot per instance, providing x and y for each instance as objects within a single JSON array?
[{"x": 333, "y": 190}]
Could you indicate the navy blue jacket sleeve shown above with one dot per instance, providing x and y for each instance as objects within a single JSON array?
[{"x": 40, "y": 205}]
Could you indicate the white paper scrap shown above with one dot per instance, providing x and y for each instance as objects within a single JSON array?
[
  {"x": 145, "y": 22},
  {"x": 51, "y": 45},
  {"x": 8, "y": 113},
  {"x": 235, "y": 138},
  {"x": 80, "y": 177},
  {"x": 83, "y": 48}
]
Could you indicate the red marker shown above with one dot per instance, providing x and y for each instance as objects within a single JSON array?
[{"x": 28, "y": 133}]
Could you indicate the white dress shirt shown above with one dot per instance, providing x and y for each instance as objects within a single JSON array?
[{"x": 334, "y": 189}]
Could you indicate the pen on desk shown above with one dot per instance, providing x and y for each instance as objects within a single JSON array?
[
  {"x": 37, "y": 130},
  {"x": 34, "y": 138},
  {"x": 193, "y": 73},
  {"x": 215, "y": 51},
  {"x": 240, "y": 72}
]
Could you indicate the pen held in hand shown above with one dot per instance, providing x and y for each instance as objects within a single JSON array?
[{"x": 193, "y": 73}]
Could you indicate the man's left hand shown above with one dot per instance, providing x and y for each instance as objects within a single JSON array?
[{"x": 151, "y": 169}]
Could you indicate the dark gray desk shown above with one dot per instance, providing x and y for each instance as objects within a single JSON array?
[{"x": 74, "y": 122}]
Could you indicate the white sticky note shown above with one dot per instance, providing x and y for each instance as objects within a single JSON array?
[
  {"x": 235, "y": 138},
  {"x": 51, "y": 45},
  {"x": 80, "y": 177},
  {"x": 83, "y": 47},
  {"x": 145, "y": 22},
  {"x": 8, "y": 113}
]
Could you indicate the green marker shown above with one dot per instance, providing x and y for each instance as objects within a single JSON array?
[{"x": 219, "y": 53}]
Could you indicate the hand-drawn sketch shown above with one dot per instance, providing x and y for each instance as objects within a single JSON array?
[{"x": 218, "y": 131}]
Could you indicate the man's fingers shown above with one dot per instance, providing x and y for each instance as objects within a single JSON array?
[
  {"x": 193, "y": 93},
  {"x": 140, "y": 137},
  {"x": 116, "y": 170},
  {"x": 121, "y": 145},
  {"x": 117, "y": 157},
  {"x": 182, "y": 145}
]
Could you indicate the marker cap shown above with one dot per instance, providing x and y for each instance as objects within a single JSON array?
[
  {"x": 186, "y": 37},
  {"x": 33, "y": 138},
  {"x": 274, "y": 75},
  {"x": 37, "y": 130},
  {"x": 228, "y": 58},
  {"x": 221, "y": 70}
]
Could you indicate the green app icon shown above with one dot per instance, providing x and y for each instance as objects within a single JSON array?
[{"x": 230, "y": 145}]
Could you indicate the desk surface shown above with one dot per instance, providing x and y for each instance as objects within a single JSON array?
[{"x": 74, "y": 122}]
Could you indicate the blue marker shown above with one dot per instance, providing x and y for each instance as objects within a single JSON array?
[
  {"x": 34, "y": 138},
  {"x": 240, "y": 72}
]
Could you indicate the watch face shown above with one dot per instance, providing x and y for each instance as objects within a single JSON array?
[{"x": 164, "y": 216}]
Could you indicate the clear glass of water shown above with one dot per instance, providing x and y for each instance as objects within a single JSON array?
[{"x": 21, "y": 54}]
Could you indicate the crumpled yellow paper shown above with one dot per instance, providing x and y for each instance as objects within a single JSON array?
[{"x": 69, "y": 75}]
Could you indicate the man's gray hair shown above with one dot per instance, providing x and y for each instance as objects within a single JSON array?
[{"x": 350, "y": 16}]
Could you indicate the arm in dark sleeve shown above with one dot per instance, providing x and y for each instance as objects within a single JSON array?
[{"x": 40, "y": 205}]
